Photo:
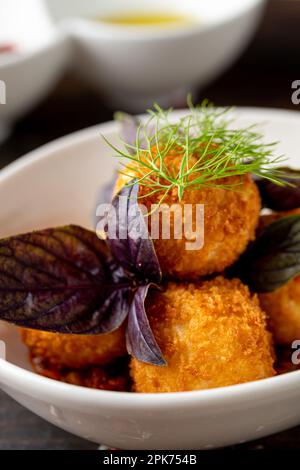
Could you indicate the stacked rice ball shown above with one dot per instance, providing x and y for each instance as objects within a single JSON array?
[{"x": 213, "y": 332}]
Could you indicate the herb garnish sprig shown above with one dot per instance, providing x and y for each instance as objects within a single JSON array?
[{"x": 211, "y": 151}]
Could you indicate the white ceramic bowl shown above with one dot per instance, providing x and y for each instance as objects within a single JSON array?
[
  {"x": 41, "y": 54},
  {"x": 58, "y": 184},
  {"x": 133, "y": 67}
]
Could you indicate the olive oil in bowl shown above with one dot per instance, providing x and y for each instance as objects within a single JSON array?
[{"x": 144, "y": 19}]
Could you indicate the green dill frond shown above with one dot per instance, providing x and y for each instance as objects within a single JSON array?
[{"x": 210, "y": 148}]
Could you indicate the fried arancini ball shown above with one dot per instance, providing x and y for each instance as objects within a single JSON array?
[
  {"x": 75, "y": 351},
  {"x": 230, "y": 221},
  {"x": 114, "y": 377},
  {"x": 99, "y": 378},
  {"x": 212, "y": 334},
  {"x": 283, "y": 305}
]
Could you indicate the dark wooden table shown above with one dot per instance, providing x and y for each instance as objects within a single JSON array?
[{"x": 262, "y": 77}]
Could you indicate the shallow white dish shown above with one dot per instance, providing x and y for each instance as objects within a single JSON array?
[
  {"x": 58, "y": 184},
  {"x": 134, "y": 66},
  {"x": 42, "y": 52}
]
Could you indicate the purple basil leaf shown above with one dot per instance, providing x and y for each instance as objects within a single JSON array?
[
  {"x": 104, "y": 196},
  {"x": 139, "y": 338},
  {"x": 131, "y": 128},
  {"x": 281, "y": 198},
  {"x": 274, "y": 258},
  {"x": 128, "y": 237},
  {"x": 108, "y": 317},
  {"x": 62, "y": 280}
]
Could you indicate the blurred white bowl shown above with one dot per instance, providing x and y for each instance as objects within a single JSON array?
[
  {"x": 31, "y": 70},
  {"x": 135, "y": 66},
  {"x": 38, "y": 195}
]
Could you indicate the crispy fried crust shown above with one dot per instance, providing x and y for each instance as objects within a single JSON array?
[
  {"x": 99, "y": 378},
  {"x": 230, "y": 221},
  {"x": 114, "y": 377},
  {"x": 212, "y": 334},
  {"x": 283, "y": 305},
  {"x": 283, "y": 309},
  {"x": 75, "y": 351}
]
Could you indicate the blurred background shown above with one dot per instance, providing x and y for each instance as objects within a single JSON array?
[{"x": 259, "y": 73}]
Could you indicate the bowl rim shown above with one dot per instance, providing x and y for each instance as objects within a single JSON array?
[
  {"x": 39, "y": 386},
  {"x": 16, "y": 377},
  {"x": 113, "y": 32}
]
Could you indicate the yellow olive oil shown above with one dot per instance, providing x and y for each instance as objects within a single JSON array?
[{"x": 144, "y": 19}]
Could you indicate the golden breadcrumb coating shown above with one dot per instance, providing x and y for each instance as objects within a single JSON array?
[
  {"x": 98, "y": 378},
  {"x": 212, "y": 334},
  {"x": 283, "y": 305},
  {"x": 74, "y": 351},
  {"x": 230, "y": 221},
  {"x": 114, "y": 377}
]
